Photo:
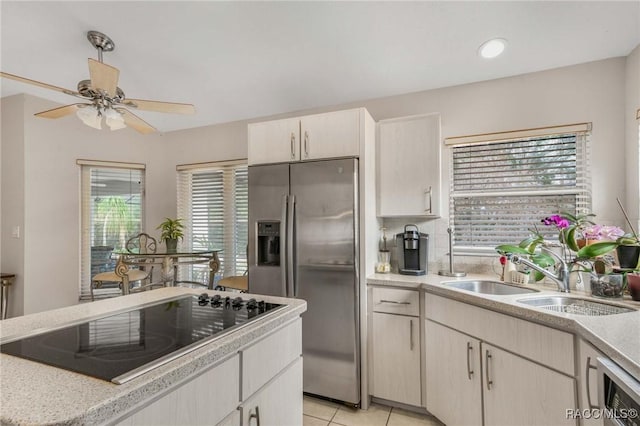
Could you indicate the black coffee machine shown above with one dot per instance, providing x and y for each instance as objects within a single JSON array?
[{"x": 412, "y": 246}]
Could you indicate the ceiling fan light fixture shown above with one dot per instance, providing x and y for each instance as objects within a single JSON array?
[
  {"x": 90, "y": 116},
  {"x": 114, "y": 119},
  {"x": 492, "y": 48}
]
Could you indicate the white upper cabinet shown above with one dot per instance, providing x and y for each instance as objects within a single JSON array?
[
  {"x": 409, "y": 166},
  {"x": 274, "y": 141},
  {"x": 329, "y": 135}
]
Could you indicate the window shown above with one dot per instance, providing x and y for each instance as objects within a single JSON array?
[
  {"x": 112, "y": 197},
  {"x": 502, "y": 188},
  {"x": 213, "y": 200}
]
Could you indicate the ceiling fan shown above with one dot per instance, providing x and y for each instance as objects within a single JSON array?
[{"x": 103, "y": 97}]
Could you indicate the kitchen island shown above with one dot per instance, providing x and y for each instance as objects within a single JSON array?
[{"x": 224, "y": 381}]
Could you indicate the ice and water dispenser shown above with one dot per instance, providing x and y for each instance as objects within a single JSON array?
[{"x": 268, "y": 243}]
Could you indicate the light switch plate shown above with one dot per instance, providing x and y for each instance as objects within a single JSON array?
[{"x": 15, "y": 232}]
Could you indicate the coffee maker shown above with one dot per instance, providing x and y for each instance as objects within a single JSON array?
[{"x": 412, "y": 246}]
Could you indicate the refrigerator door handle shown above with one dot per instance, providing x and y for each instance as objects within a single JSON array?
[
  {"x": 290, "y": 267},
  {"x": 285, "y": 247}
]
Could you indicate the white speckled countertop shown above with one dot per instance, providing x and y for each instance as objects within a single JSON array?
[
  {"x": 32, "y": 393},
  {"x": 617, "y": 336}
]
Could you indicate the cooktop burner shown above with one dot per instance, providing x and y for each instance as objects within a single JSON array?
[{"x": 122, "y": 346}]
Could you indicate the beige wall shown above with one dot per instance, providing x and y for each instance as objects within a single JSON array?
[
  {"x": 43, "y": 162},
  {"x": 632, "y": 156},
  {"x": 593, "y": 92},
  {"x": 12, "y": 197}
]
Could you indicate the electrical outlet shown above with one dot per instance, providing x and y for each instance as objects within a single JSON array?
[{"x": 15, "y": 232}]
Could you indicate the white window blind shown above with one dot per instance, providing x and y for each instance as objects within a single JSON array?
[
  {"x": 500, "y": 190},
  {"x": 213, "y": 202},
  {"x": 112, "y": 204}
]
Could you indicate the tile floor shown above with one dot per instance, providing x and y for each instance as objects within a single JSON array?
[{"x": 318, "y": 412}]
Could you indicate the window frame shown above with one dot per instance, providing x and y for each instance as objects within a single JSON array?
[
  {"x": 85, "y": 171},
  {"x": 581, "y": 190},
  {"x": 184, "y": 177}
]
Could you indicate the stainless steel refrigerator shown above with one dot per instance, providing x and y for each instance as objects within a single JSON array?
[{"x": 303, "y": 243}]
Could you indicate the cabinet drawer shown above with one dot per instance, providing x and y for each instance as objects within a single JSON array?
[
  {"x": 548, "y": 346},
  {"x": 269, "y": 356},
  {"x": 396, "y": 301}
]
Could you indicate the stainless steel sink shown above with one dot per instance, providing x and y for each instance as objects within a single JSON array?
[
  {"x": 489, "y": 287},
  {"x": 576, "y": 306}
]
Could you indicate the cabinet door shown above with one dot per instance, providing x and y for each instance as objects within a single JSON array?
[
  {"x": 396, "y": 358},
  {"x": 330, "y": 135},
  {"x": 588, "y": 381},
  {"x": 453, "y": 375},
  {"x": 279, "y": 402},
  {"x": 520, "y": 392},
  {"x": 196, "y": 402},
  {"x": 274, "y": 141},
  {"x": 409, "y": 166}
]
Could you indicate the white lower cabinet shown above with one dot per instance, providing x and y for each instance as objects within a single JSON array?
[
  {"x": 396, "y": 358},
  {"x": 520, "y": 392},
  {"x": 278, "y": 403},
  {"x": 483, "y": 367},
  {"x": 259, "y": 385},
  {"x": 196, "y": 402},
  {"x": 454, "y": 376},
  {"x": 588, "y": 380}
]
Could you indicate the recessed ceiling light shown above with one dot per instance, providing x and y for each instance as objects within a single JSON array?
[{"x": 492, "y": 48}]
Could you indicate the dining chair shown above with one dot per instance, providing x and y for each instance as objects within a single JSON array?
[
  {"x": 238, "y": 282},
  {"x": 142, "y": 243}
]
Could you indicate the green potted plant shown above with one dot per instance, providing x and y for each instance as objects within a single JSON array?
[{"x": 172, "y": 229}]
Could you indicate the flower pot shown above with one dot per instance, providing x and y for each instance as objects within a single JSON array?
[
  {"x": 172, "y": 245},
  {"x": 628, "y": 256},
  {"x": 633, "y": 281},
  {"x": 607, "y": 285}
]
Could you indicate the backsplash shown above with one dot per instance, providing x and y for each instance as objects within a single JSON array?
[{"x": 438, "y": 247}]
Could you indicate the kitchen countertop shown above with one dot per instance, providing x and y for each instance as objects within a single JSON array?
[
  {"x": 617, "y": 336},
  {"x": 35, "y": 393}
]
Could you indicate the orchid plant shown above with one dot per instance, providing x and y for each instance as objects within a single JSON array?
[{"x": 570, "y": 229}]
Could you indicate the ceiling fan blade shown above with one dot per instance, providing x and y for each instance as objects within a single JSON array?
[
  {"x": 103, "y": 77},
  {"x": 135, "y": 122},
  {"x": 60, "y": 111},
  {"x": 170, "y": 107},
  {"x": 38, "y": 83}
]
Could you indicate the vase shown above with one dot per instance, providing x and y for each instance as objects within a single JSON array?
[
  {"x": 628, "y": 256},
  {"x": 172, "y": 245},
  {"x": 633, "y": 283},
  {"x": 607, "y": 285}
]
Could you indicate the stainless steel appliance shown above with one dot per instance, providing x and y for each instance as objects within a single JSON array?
[
  {"x": 618, "y": 395},
  {"x": 412, "y": 246},
  {"x": 123, "y": 346},
  {"x": 314, "y": 207}
]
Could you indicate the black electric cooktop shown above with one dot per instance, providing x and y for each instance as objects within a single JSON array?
[{"x": 122, "y": 346}]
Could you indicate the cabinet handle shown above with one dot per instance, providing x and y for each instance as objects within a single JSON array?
[
  {"x": 469, "y": 370},
  {"x": 487, "y": 357},
  {"x": 306, "y": 144},
  {"x": 586, "y": 378},
  {"x": 293, "y": 146},
  {"x": 395, "y": 303},
  {"x": 411, "y": 334},
  {"x": 429, "y": 193},
  {"x": 256, "y": 416}
]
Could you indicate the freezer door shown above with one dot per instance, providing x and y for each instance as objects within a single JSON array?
[
  {"x": 325, "y": 275},
  {"x": 268, "y": 195}
]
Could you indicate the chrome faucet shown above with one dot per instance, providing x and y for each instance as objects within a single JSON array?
[{"x": 561, "y": 278}]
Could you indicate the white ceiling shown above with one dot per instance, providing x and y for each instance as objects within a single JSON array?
[{"x": 239, "y": 60}]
